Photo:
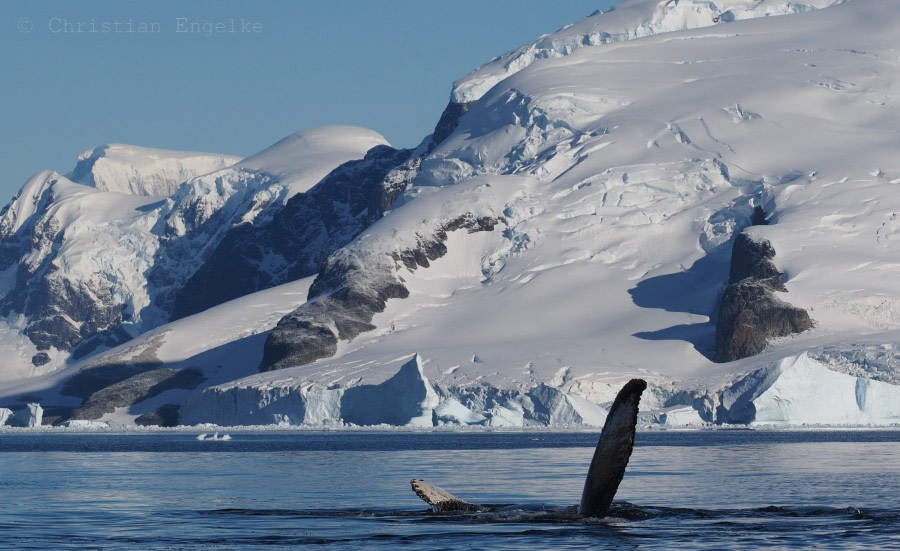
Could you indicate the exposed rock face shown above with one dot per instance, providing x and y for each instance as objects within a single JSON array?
[
  {"x": 130, "y": 361},
  {"x": 63, "y": 312},
  {"x": 750, "y": 313},
  {"x": 135, "y": 389},
  {"x": 69, "y": 312},
  {"x": 165, "y": 416},
  {"x": 448, "y": 122},
  {"x": 350, "y": 289},
  {"x": 297, "y": 239},
  {"x": 752, "y": 259}
]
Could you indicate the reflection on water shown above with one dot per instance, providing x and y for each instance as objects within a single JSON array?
[{"x": 352, "y": 490}]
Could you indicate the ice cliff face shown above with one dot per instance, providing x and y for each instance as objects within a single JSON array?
[
  {"x": 792, "y": 391},
  {"x": 799, "y": 390},
  {"x": 407, "y": 398},
  {"x": 143, "y": 171},
  {"x": 28, "y": 417}
]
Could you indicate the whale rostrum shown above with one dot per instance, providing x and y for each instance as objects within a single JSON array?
[
  {"x": 604, "y": 475},
  {"x": 440, "y": 499}
]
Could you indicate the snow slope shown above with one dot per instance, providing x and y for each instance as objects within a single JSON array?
[
  {"x": 616, "y": 160},
  {"x": 626, "y": 21},
  {"x": 86, "y": 267},
  {"x": 619, "y": 197},
  {"x": 142, "y": 170},
  {"x": 224, "y": 342},
  {"x": 302, "y": 159},
  {"x": 620, "y": 173}
]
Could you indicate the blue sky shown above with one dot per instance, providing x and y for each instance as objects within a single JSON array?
[{"x": 81, "y": 74}]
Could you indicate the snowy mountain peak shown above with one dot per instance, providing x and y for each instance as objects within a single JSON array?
[
  {"x": 86, "y": 265},
  {"x": 36, "y": 195},
  {"x": 142, "y": 170},
  {"x": 629, "y": 20},
  {"x": 302, "y": 159}
]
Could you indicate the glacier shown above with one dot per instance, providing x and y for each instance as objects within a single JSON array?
[
  {"x": 28, "y": 417},
  {"x": 800, "y": 390},
  {"x": 89, "y": 265},
  {"x": 143, "y": 171},
  {"x": 568, "y": 227}
]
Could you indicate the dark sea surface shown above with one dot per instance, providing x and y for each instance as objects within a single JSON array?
[{"x": 726, "y": 489}]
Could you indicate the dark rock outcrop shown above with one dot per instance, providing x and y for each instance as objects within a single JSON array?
[
  {"x": 750, "y": 313},
  {"x": 350, "y": 289},
  {"x": 752, "y": 259},
  {"x": 298, "y": 238},
  {"x": 447, "y": 123},
  {"x": 285, "y": 243},
  {"x": 164, "y": 416},
  {"x": 135, "y": 389},
  {"x": 60, "y": 313},
  {"x": 55, "y": 415},
  {"x": 63, "y": 313}
]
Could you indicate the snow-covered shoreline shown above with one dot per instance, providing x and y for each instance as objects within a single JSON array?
[{"x": 129, "y": 430}]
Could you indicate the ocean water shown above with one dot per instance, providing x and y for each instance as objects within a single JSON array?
[{"x": 266, "y": 490}]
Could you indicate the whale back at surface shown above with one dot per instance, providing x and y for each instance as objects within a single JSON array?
[{"x": 613, "y": 451}]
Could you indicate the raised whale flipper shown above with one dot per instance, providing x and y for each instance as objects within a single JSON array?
[
  {"x": 439, "y": 499},
  {"x": 607, "y": 467},
  {"x": 613, "y": 451}
]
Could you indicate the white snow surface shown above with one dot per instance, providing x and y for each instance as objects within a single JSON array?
[
  {"x": 143, "y": 170},
  {"x": 107, "y": 237},
  {"x": 224, "y": 342},
  {"x": 626, "y": 21},
  {"x": 302, "y": 159},
  {"x": 619, "y": 175}
]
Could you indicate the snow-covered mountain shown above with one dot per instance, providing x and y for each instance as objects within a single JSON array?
[
  {"x": 88, "y": 266},
  {"x": 702, "y": 194},
  {"x": 143, "y": 171}
]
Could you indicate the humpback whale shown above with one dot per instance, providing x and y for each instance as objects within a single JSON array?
[{"x": 604, "y": 475}]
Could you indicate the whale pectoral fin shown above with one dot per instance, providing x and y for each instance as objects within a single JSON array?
[
  {"x": 613, "y": 451},
  {"x": 440, "y": 499}
]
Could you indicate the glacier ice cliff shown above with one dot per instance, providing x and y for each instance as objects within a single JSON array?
[
  {"x": 801, "y": 391},
  {"x": 29, "y": 417}
]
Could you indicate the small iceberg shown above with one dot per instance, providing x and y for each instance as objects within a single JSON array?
[{"x": 204, "y": 437}]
